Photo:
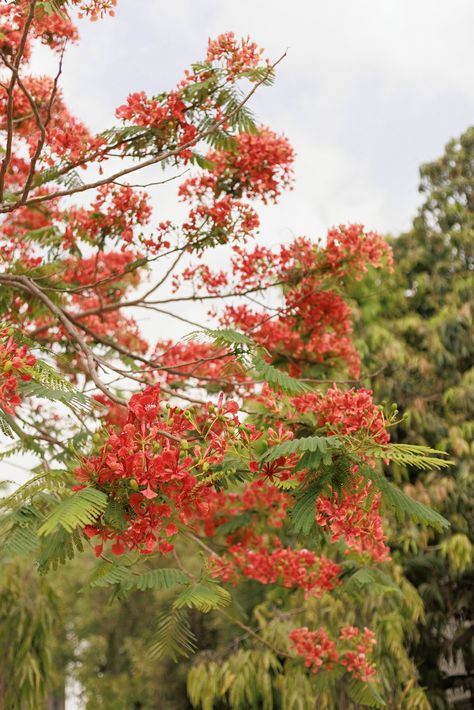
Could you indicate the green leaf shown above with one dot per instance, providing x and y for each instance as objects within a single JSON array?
[
  {"x": 373, "y": 578},
  {"x": 114, "y": 515},
  {"x": 263, "y": 74},
  {"x": 108, "y": 574},
  {"x": 204, "y": 596},
  {"x": 423, "y": 457},
  {"x": 21, "y": 539},
  {"x": 236, "y": 522},
  {"x": 82, "y": 508},
  {"x": 57, "y": 548},
  {"x": 136, "y": 264},
  {"x": 365, "y": 694},
  {"x": 303, "y": 514},
  {"x": 157, "y": 579},
  {"x": 278, "y": 379},
  {"x": 5, "y": 425},
  {"x": 47, "y": 7},
  {"x": 406, "y": 507},
  {"x": 323, "y": 445},
  {"x": 312, "y": 461},
  {"x": 203, "y": 162},
  {"x": 172, "y": 637},
  {"x": 47, "y": 480},
  {"x": 332, "y": 475},
  {"x": 226, "y": 336},
  {"x": 49, "y": 384}
]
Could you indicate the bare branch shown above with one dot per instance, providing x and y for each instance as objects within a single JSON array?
[{"x": 11, "y": 89}]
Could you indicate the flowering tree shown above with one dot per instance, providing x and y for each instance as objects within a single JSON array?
[{"x": 249, "y": 440}]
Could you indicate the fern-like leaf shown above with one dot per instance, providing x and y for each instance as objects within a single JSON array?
[
  {"x": 262, "y": 74},
  {"x": 278, "y": 379},
  {"x": 235, "y": 523},
  {"x": 318, "y": 445},
  {"x": 108, "y": 574},
  {"x": 47, "y": 480},
  {"x": 172, "y": 637},
  {"x": 82, "y": 508},
  {"x": 304, "y": 513},
  {"x": 49, "y": 384},
  {"x": 204, "y": 596},
  {"x": 18, "y": 531},
  {"x": 369, "y": 577},
  {"x": 422, "y": 457},
  {"x": 365, "y": 694},
  {"x": 114, "y": 515},
  {"x": 5, "y": 427},
  {"x": 57, "y": 548},
  {"x": 335, "y": 475},
  {"x": 226, "y": 336},
  {"x": 406, "y": 507},
  {"x": 21, "y": 541},
  {"x": 157, "y": 579}
]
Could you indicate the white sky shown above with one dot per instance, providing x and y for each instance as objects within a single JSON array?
[{"x": 369, "y": 90}]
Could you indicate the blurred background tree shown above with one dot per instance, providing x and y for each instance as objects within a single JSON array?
[{"x": 416, "y": 331}]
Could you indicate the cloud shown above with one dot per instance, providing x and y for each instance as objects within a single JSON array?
[{"x": 368, "y": 91}]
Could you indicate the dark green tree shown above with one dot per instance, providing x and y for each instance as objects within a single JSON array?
[{"x": 418, "y": 337}]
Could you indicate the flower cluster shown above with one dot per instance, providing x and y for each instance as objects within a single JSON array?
[
  {"x": 166, "y": 116},
  {"x": 351, "y": 250},
  {"x": 318, "y": 650},
  {"x": 356, "y": 659},
  {"x": 322, "y": 653},
  {"x": 201, "y": 275},
  {"x": 239, "y": 56},
  {"x": 149, "y": 468},
  {"x": 171, "y": 119},
  {"x": 260, "y": 503},
  {"x": 65, "y": 136},
  {"x": 314, "y": 325},
  {"x": 346, "y": 412},
  {"x": 95, "y": 9},
  {"x": 15, "y": 364},
  {"x": 51, "y": 29},
  {"x": 259, "y": 165},
  {"x": 268, "y": 562},
  {"x": 352, "y": 514},
  {"x": 202, "y": 362},
  {"x": 355, "y": 517},
  {"x": 116, "y": 211},
  {"x": 220, "y": 221},
  {"x": 110, "y": 273}
]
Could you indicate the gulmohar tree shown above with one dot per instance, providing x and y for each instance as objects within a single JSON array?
[
  {"x": 199, "y": 472},
  {"x": 419, "y": 334}
]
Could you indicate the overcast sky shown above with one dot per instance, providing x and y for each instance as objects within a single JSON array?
[{"x": 369, "y": 90}]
